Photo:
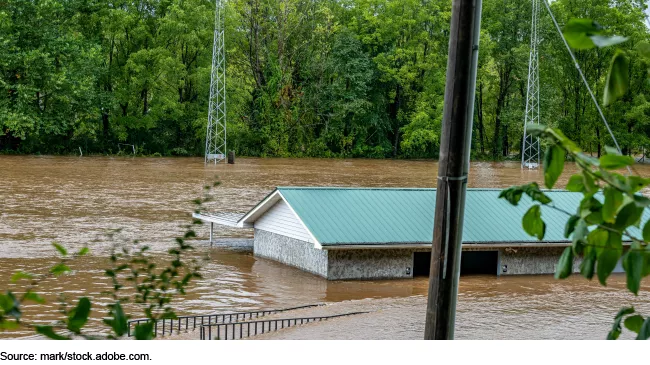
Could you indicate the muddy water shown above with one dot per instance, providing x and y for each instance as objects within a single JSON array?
[{"x": 75, "y": 201}]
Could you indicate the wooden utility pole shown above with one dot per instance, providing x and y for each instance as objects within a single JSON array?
[{"x": 453, "y": 167}]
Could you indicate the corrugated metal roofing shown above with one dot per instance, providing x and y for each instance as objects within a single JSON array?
[{"x": 337, "y": 216}]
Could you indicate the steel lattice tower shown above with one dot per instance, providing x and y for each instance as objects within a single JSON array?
[
  {"x": 530, "y": 150},
  {"x": 215, "y": 139}
]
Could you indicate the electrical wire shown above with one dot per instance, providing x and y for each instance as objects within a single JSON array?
[{"x": 584, "y": 79}]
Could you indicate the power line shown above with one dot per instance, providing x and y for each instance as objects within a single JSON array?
[{"x": 584, "y": 79}]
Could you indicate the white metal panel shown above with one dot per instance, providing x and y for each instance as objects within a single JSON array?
[
  {"x": 223, "y": 218},
  {"x": 282, "y": 220}
]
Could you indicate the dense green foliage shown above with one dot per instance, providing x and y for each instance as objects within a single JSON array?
[{"x": 305, "y": 78}]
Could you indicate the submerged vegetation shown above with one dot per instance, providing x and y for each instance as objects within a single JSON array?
[{"x": 305, "y": 78}]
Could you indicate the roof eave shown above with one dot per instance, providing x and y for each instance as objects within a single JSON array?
[
  {"x": 260, "y": 208},
  {"x": 378, "y": 246}
]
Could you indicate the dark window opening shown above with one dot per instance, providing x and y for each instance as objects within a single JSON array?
[
  {"x": 471, "y": 263},
  {"x": 479, "y": 263},
  {"x": 421, "y": 263}
]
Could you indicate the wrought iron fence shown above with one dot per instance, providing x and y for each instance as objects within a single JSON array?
[
  {"x": 185, "y": 323},
  {"x": 239, "y": 330}
]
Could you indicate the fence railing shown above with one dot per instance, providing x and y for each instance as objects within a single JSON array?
[
  {"x": 239, "y": 330},
  {"x": 186, "y": 323}
]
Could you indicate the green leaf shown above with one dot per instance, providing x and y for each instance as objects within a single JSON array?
[
  {"x": 10, "y": 305},
  {"x": 616, "y": 327},
  {"x": 633, "y": 262},
  {"x": 646, "y": 232},
  {"x": 78, "y": 317},
  {"x": 641, "y": 201},
  {"x": 629, "y": 215},
  {"x": 34, "y": 297},
  {"x": 598, "y": 239},
  {"x": 565, "y": 264},
  {"x": 609, "y": 150},
  {"x": 535, "y": 130},
  {"x": 607, "y": 260},
  {"x": 144, "y": 331},
  {"x": 636, "y": 183},
  {"x": 617, "y": 79},
  {"x": 19, "y": 275},
  {"x": 48, "y": 332},
  {"x": 553, "y": 165},
  {"x": 512, "y": 195},
  {"x": 634, "y": 323},
  {"x": 607, "y": 41},
  {"x": 570, "y": 225},
  {"x": 59, "y": 269},
  {"x": 577, "y": 33},
  {"x": 119, "y": 321},
  {"x": 8, "y": 325},
  {"x": 533, "y": 191},
  {"x": 646, "y": 262},
  {"x": 644, "y": 332},
  {"x": 532, "y": 222},
  {"x": 588, "y": 264},
  {"x": 613, "y": 201},
  {"x": 581, "y": 230},
  {"x": 576, "y": 183},
  {"x": 60, "y": 248},
  {"x": 615, "y": 162},
  {"x": 590, "y": 184},
  {"x": 84, "y": 251}
]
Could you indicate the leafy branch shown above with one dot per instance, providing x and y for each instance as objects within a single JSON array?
[
  {"x": 150, "y": 286},
  {"x": 611, "y": 208}
]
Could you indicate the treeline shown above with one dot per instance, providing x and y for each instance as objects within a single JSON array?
[{"x": 353, "y": 78}]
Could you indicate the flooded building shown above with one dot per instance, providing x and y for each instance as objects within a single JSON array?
[{"x": 386, "y": 233}]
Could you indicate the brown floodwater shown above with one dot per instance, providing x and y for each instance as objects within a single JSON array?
[{"x": 76, "y": 201}]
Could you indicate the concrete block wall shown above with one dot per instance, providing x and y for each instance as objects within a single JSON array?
[
  {"x": 370, "y": 264},
  {"x": 383, "y": 263},
  {"x": 290, "y": 251},
  {"x": 531, "y": 260}
]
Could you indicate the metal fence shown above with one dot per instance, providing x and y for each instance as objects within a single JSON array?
[
  {"x": 186, "y": 323},
  {"x": 239, "y": 330}
]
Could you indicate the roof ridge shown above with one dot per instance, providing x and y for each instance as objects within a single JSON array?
[{"x": 393, "y": 188}]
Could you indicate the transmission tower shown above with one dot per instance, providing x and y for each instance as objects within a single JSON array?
[
  {"x": 215, "y": 139},
  {"x": 530, "y": 149}
]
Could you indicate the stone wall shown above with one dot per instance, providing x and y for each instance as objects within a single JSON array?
[
  {"x": 531, "y": 260},
  {"x": 291, "y": 252},
  {"x": 393, "y": 263},
  {"x": 370, "y": 264},
  {"x": 380, "y": 263}
]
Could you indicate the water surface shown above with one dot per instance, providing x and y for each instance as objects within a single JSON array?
[{"x": 76, "y": 201}]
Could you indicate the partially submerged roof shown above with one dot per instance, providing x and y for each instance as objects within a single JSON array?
[{"x": 392, "y": 216}]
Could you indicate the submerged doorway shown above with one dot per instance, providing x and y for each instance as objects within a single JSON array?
[{"x": 471, "y": 263}]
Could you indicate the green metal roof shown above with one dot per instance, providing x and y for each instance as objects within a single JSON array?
[{"x": 349, "y": 216}]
